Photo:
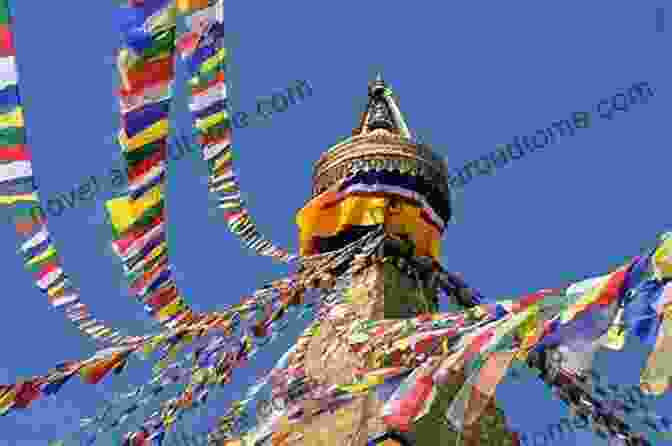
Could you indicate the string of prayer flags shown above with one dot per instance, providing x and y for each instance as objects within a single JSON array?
[
  {"x": 483, "y": 325},
  {"x": 138, "y": 217},
  {"x": 206, "y": 57},
  {"x": 219, "y": 344},
  {"x": 19, "y": 192}
]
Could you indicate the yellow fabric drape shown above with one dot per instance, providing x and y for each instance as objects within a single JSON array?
[{"x": 321, "y": 218}]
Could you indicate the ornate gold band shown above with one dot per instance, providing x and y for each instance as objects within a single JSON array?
[{"x": 379, "y": 150}]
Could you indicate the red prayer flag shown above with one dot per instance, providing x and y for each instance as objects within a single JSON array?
[
  {"x": 26, "y": 226},
  {"x": 150, "y": 74},
  {"x": 187, "y": 42},
  {"x": 163, "y": 297},
  {"x": 613, "y": 288},
  {"x": 46, "y": 269},
  {"x": 27, "y": 392},
  {"x": 15, "y": 153},
  {"x": 6, "y": 42},
  {"x": 93, "y": 373}
]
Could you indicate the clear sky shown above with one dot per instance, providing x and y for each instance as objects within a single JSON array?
[{"x": 470, "y": 75}]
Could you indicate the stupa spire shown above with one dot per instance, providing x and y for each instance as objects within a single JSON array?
[{"x": 382, "y": 111}]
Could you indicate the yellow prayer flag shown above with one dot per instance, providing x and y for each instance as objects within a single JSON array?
[
  {"x": 103, "y": 333},
  {"x": 51, "y": 292},
  {"x": 13, "y": 199},
  {"x": 46, "y": 254},
  {"x": 12, "y": 119},
  {"x": 169, "y": 420},
  {"x": 355, "y": 388},
  {"x": 212, "y": 62},
  {"x": 614, "y": 339},
  {"x": 230, "y": 205},
  {"x": 152, "y": 345},
  {"x": 530, "y": 326},
  {"x": 126, "y": 60},
  {"x": 156, "y": 252},
  {"x": 148, "y": 200},
  {"x": 224, "y": 159},
  {"x": 121, "y": 213},
  {"x": 149, "y": 135},
  {"x": 171, "y": 309},
  {"x": 204, "y": 124},
  {"x": 7, "y": 400},
  {"x": 375, "y": 380},
  {"x": 229, "y": 186},
  {"x": 662, "y": 260}
]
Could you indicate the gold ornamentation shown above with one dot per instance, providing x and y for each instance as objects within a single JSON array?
[{"x": 379, "y": 150}]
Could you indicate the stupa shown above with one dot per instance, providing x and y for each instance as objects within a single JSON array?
[{"x": 381, "y": 180}]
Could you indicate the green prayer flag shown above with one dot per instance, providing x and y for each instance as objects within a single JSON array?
[
  {"x": 162, "y": 42},
  {"x": 12, "y": 136},
  {"x": 4, "y": 12},
  {"x": 28, "y": 213},
  {"x": 142, "y": 153}
]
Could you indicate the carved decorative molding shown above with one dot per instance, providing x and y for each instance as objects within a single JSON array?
[{"x": 379, "y": 150}]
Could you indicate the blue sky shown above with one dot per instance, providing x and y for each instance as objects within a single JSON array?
[{"x": 470, "y": 76}]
